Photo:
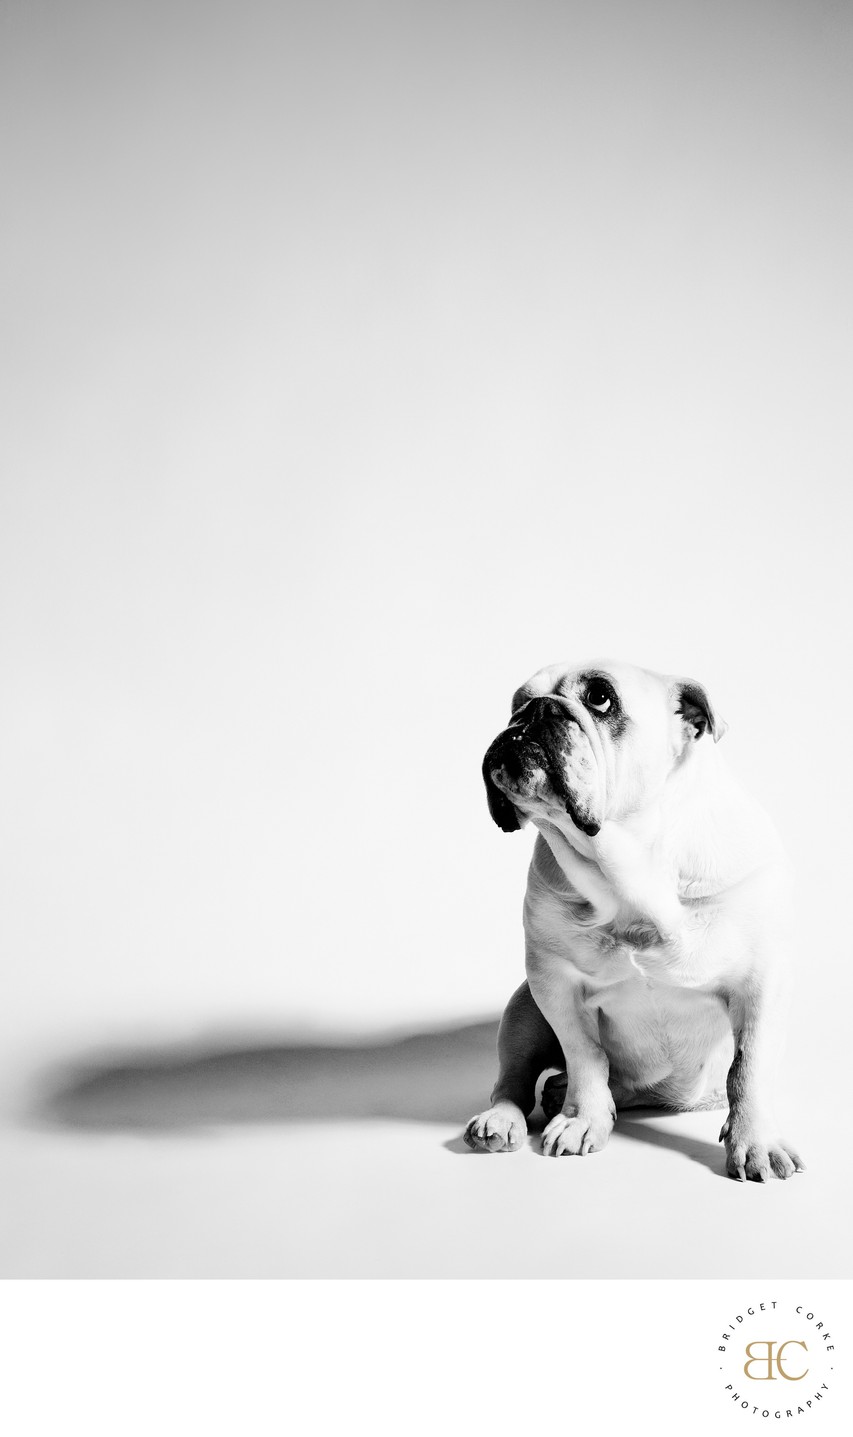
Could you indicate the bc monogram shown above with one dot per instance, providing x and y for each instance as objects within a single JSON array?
[{"x": 771, "y": 1359}]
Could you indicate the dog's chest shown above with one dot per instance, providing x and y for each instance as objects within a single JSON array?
[
  {"x": 637, "y": 953},
  {"x": 628, "y": 946}
]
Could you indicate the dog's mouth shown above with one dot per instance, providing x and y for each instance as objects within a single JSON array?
[{"x": 545, "y": 760}]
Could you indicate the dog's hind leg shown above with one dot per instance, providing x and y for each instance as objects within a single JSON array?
[{"x": 526, "y": 1046}]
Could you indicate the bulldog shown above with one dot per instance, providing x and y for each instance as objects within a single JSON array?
[{"x": 655, "y": 919}]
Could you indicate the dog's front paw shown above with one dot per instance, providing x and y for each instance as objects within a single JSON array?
[
  {"x": 757, "y": 1159},
  {"x": 567, "y": 1136},
  {"x": 500, "y": 1130}
]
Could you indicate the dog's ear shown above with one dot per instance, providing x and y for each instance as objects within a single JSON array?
[
  {"x": 698, "y": 715},
  {"x": 502, "y": 809}
]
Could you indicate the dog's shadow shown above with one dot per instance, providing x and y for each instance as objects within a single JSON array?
[
  {"x": 636, "y": 1124},
  {"x": 442, "y": 1075}
]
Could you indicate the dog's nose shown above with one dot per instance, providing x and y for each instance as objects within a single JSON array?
[{"x": 532, "y": 725}]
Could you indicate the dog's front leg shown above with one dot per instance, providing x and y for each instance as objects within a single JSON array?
[
  {"x": 588, "y": 1113},
  {"x": 753, "y": 1148}
]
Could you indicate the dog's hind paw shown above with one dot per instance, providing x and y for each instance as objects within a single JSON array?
[{"x": 554, "y": 1094}]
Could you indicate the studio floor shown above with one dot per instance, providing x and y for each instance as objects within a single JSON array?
[{"x": 293, "y": 1160}]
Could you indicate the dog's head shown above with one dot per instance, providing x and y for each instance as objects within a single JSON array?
[{"x": 596, "y": 742}]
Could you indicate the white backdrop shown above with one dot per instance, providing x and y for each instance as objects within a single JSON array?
[{"x": 362, "y": 359}]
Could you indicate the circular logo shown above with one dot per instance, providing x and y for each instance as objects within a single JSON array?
[{"x": 776, "y": 1360}]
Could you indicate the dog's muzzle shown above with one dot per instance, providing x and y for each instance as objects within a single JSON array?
[{"x": 544, "y": 756}]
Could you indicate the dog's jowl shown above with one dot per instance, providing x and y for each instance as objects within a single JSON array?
[{"x": 654, "y": 919}]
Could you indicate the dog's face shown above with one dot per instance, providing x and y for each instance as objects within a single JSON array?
[{"x": 594, "y": 743}]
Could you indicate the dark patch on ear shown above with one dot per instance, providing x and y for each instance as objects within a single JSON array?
[
  {"x": 501, "y": 808},
  {"x": 695, "y": 707}
]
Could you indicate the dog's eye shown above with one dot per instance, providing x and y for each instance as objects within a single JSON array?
[{"x": 598, "y": 696}]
